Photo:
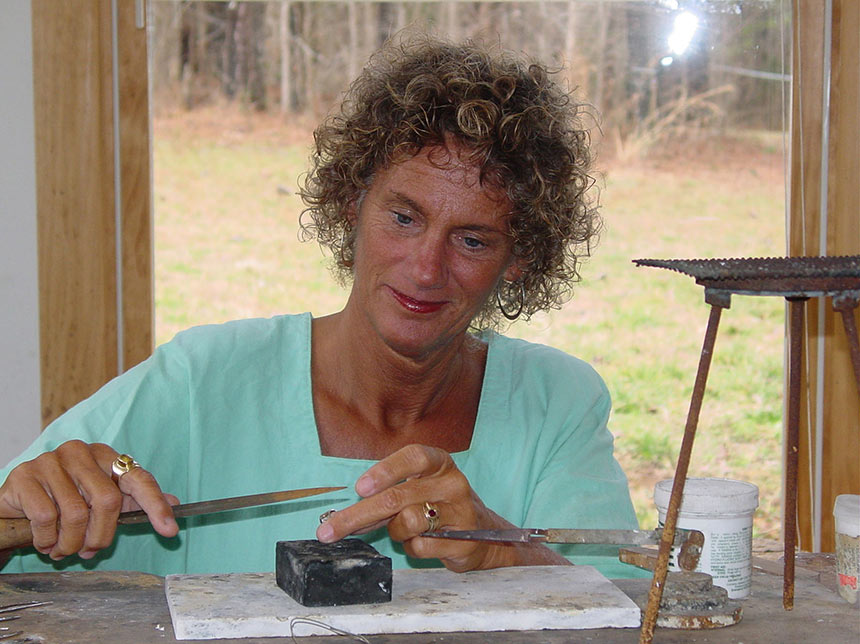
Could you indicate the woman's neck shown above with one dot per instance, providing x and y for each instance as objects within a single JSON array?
[
  {"x": 361, "y": 370},
  {"x": 365, "y": 392}
]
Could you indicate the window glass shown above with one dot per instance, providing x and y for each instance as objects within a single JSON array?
[{"x": 687, "y": 103}]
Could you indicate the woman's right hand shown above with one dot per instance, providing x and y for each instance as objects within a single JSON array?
[{"x": 73, "y": 503}]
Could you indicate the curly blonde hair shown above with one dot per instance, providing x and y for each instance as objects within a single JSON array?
[{"x": 523, "y": 132}]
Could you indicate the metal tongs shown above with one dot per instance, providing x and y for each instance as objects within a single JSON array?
[
  {"x": 690, "y": 542},
  {"x": 11, "y": 608}
]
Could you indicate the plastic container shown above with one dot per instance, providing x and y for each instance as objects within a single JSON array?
[
  {"x": 722, "y": 509},
  {"x": 846, "y": 512}
]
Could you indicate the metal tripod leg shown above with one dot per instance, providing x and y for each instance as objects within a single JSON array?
[
  {"x": 845, "y": 304},
  {"x": 792, "y": 445},
  {"x": 655, "y": 594}
]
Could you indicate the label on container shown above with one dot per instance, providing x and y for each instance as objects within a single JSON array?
[
  {"x": 847, "y": 565},
  {"x": 727, "y": 553}
]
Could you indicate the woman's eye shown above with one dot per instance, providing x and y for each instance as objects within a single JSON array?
[{"x": 402, "y": 219}]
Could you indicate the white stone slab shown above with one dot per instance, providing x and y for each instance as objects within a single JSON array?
[{"x": 429, "y": 600}]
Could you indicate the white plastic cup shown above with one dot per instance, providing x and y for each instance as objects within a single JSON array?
[
  {"x": 846, "y": 512},
  {"x": 722, "y": 509}
]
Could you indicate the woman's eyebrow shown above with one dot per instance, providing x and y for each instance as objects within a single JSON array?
[
  {"x": 481, "y": 228},
  {"x": 408, "y": 201},
  {"x": 414, "y": 205}
]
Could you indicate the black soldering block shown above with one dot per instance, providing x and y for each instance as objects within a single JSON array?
[{"x": 333, "y": 574}]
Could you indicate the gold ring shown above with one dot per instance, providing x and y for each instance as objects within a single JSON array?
[
  {"x": 431, "y": 513},
  {"x": 122, "y": 465}
]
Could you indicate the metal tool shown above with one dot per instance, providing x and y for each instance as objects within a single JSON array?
[
  {"x": 15, "y": 533},
  {"x": 690, "y": 542},
  {"x": 796, "y": 279},
  {"x": 15, "y": 607}
]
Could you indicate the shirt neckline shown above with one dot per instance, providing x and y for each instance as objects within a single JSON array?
[{"x": 491, "y": 382}]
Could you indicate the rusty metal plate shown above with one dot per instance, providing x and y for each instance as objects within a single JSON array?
[{"x": 785, "y": 276}]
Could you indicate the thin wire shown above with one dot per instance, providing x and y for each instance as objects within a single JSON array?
[
  {"x": 117, "y": 195},
  {"x": 332, "y": 629},
  {"x": 9, "y": 608},
  {"x": 797, "y": 76},
  {"x": 786, "y": 150},
  {"x": 824, "y": 217}
]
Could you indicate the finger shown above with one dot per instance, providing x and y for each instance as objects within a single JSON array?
[
  {"x": 135, "y": 490},
  {"x": 385, "y": 494},
  {"x": 102, "y": 497},
  {"x": 361, "y": 517},
  {"x": 63, "y": 475},
  {"x": 409, "y": 476},
  {"x": 42, "y": 511},
  {"x": 415, "y": 520},
  {"x": 451, "y": 551},
  {"x": 143, "y": 492},
  {"x": 412, "y": 461},
  {"x": 52, "y": 492},
  {"x": 326, "y": 533},
  {"x": 380, "y": 509},
  {"x": 90, "y": 550},
  {"x": 140, "y": 492}
]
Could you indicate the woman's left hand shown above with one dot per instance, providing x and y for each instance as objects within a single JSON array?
[{"x": 394, "y": 493}]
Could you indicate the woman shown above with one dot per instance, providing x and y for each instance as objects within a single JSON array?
[{"x": 451, "y": 188}]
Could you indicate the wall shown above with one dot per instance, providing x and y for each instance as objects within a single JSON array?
[{"x": 19, "y": 311}]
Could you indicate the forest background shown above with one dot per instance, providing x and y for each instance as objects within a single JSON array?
[{"x": 690, "y": 163}]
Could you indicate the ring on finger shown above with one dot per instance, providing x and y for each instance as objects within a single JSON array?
[
  {"x": 431, "y": 513},
  {"x": 123, "y": 464}
]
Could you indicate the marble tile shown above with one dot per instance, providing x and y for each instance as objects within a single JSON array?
[{"x": 428, "y": 600}]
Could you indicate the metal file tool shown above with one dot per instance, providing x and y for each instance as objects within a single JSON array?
[
  {"x": 690, "y": 542},
  {"x": 15, "y": 533}
]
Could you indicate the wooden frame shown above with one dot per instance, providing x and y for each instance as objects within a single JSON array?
[
  {"x": 93, "y": 195},
  {"x": 89, "y": 335},
  {"x": 825, "y": 220}
]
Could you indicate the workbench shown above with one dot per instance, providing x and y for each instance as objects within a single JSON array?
[{"x": 112, "y": 607}]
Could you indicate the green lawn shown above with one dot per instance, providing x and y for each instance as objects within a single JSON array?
[{"x": 226, "y": 246}]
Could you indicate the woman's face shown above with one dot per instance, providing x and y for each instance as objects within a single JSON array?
[{"x": 431, "y": 245}]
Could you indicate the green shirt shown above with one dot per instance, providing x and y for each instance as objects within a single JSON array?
[{"x": 225, "y": 410}]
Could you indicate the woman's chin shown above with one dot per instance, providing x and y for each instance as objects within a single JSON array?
[{"x": 416, "y": 341}]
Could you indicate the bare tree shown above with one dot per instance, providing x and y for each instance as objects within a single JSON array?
[
  {"x": 609, "y": 49},
  {"x": 285, "y": 49},
  {"x": 249, "y": 36}
]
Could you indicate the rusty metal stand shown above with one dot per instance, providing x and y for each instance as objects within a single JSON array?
[
  {"x": 845, "y": 304},
  {"x": 658, "y": 581},
  {"x": 797, "y": 279},
  {"x": 792, "y": 445}
]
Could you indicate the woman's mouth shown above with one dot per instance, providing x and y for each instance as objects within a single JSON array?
[{"x": 416, "y": 306}]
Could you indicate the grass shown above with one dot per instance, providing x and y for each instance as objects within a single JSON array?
[{"x": 227, "y": 246}]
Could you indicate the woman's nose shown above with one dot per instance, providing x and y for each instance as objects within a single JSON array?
[{"x": 429, "y": 268}]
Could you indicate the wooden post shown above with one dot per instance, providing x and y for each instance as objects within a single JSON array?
[
  {"x": 95, "y": 310},
  {"x": 824, "y": 219}
]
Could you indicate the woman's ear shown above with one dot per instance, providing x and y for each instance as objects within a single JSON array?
[
  {"x": 354, "y": 207},
  {"x": 351, "y": 213},
  {"x": 514, "y": 271}
]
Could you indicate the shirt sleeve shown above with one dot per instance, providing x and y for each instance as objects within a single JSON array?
[
  {"x": 143, "y": 412},
  {"x": 579, "y": 483}
]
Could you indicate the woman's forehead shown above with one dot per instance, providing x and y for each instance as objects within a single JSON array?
[
  {"x": 452, "y": 162},
  {"x": 438, "y": 180}
]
